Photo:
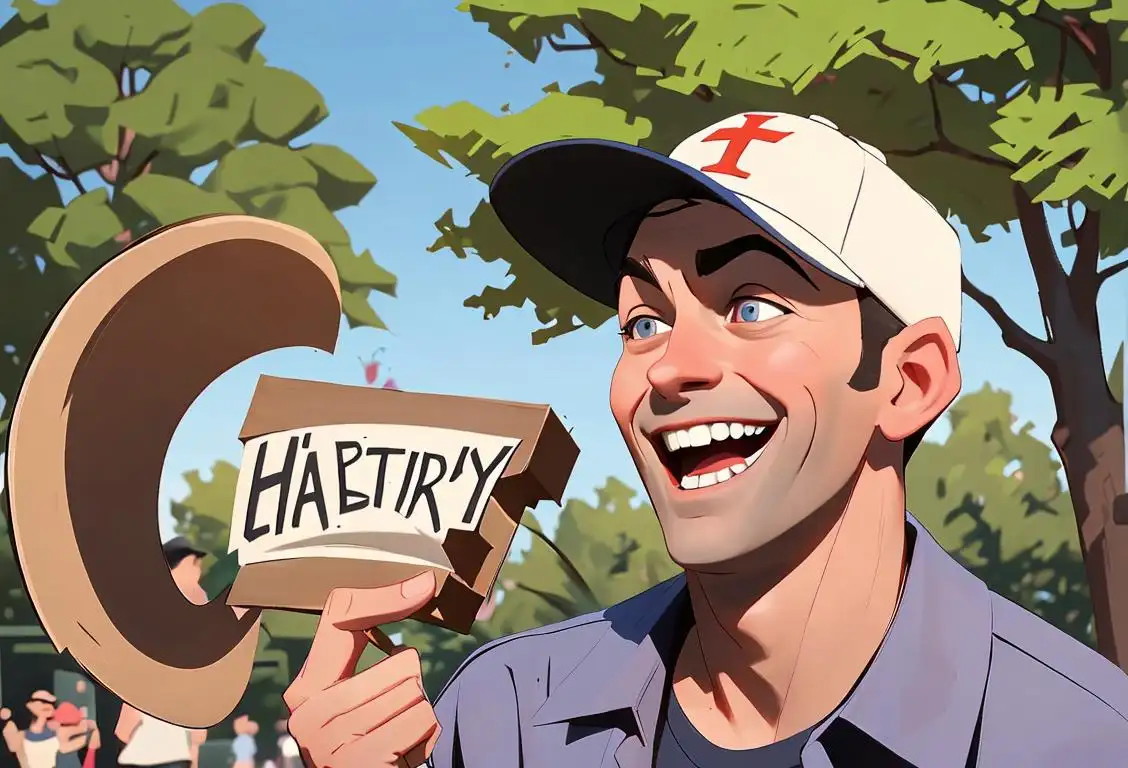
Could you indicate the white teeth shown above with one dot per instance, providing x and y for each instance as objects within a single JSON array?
[
  {"x": 689, "y": 482},
  {"x": 707, "y": 479},
  {"x": 736, "y": 469},
  {"x": 722, "y": 475},
  {"x": 703, "y": 434},
  {"x": 748, "y": 461},
  {"x": 699, "y": 435}
]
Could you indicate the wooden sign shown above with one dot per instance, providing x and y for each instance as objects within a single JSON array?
[
  {"x": 355, "y": 486},
  {"x": 113, "y": 376}
]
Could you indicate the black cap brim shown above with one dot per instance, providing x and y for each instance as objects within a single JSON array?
[{"x": 563, "y": 201}]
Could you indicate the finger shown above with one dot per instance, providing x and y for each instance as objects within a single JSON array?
[
  {"x": 391, "y": 744},
  {"x": 337, "y": 645},
  {"x": 418, "y": 754},
  {"x": 372, "y": 714},
  {"x": 333, "y": 654},
  {"x": 369, "y": 608},
  {"x": 356, "y": 691}
]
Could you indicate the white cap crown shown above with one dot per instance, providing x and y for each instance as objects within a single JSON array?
[{"x": 833, "y": 200}]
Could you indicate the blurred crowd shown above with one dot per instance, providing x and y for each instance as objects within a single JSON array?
[{"x": 61, "y": 734}]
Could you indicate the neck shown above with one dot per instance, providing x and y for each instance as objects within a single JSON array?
[
  {"x": 773, "y": 653},
  {"x": 38, "y": 724}
]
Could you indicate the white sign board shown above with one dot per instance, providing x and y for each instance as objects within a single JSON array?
[{"x": 382, "y": 492}]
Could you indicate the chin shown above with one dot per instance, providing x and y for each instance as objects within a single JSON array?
[{"x": 699, "y": 543}]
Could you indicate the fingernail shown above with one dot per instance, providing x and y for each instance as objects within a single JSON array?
[{"x": 418, "y": 586}]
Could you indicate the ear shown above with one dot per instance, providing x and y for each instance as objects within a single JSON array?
[{"x": 922, "y": 375}]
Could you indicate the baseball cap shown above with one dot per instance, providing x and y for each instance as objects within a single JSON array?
[
  {"x": 829, "y": 197},
  {"x": 179, "y": 545}
]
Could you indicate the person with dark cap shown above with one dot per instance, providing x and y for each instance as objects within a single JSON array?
[
  {"x": 185, "y": 561},
  {"x": 149, "y": 742}
]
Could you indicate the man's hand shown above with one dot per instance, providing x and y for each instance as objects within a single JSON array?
[{"x": 380, "y": 717}]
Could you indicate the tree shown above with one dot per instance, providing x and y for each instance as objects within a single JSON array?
[
  {"x": 996, "y": 112},
  {"x": 991, "y": 496},
  {"x": 130, "y": 114}
]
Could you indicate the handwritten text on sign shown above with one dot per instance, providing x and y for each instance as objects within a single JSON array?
[{"x": 308, "y": 481}]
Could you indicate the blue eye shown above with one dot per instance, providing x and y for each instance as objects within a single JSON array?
[
  {"x": 755, "y": 311},
  {"x": 644, "y": 328}
]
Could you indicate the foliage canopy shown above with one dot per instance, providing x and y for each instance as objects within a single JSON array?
[
  {"x": 963, "y": 96},
  {"x": 126, "y": 115}
]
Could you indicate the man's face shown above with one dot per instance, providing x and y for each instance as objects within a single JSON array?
[
  {"x": 187, "y": 574},
  {"x": 732, "y": 390}
]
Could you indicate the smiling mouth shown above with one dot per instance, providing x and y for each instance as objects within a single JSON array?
[{"x": 702, "y": 455}]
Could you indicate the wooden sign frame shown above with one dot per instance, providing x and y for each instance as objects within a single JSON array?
[{"x": 538, "y": 471}]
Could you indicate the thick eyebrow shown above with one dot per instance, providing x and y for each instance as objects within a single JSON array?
[
  {"x": 637, "y": 269},
  {"x": 711, "y": 259}
]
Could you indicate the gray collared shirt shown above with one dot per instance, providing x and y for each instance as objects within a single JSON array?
[{"x": 963, "y": 679}]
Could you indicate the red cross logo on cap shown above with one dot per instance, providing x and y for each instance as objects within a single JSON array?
[{"x": 738, "y": 139}]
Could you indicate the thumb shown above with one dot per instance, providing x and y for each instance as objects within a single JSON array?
[{"x": 368, "y": 608}]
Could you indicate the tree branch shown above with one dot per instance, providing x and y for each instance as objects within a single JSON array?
[
  {"x": 943, "y": 144},
  {"x": 1092, "y": 39},
  {"x": 565, "y": 562},
  {"x": 1112, "y": 271},
  {"x": 1014, "y": 335},
  {"x": 62, "y": 173},
  {"x": 1084, "y": 283},
  {"x": 1059, "y": 78},
  {"x": 594, "y": 43},
  {"x": 1049, "y": 274}
]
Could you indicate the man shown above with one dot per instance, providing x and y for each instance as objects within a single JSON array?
[
  {"x": 790, "y": 311},
  {"x": 149, "y": 742}
]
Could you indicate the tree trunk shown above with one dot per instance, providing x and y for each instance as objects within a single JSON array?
[{"x": 1089, "y": 437}]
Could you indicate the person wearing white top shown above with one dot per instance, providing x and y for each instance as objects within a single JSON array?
[
  {"x": 38, "y": 746},
  {"x": 149, "y": 742}
]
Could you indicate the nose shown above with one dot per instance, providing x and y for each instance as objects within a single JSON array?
[{"x": 686, "y": 365}]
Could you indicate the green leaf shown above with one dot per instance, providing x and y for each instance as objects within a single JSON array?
[
  {"x": 285, "y": 106},
  {"x": 483, "y": 142},
  {"x": 48, "y": 223},
  {"x": 230, "y": 27},
  {"x": 259, "y": 169},
  {"x": 87, "y": 224},
  {"x": 358, "y": 312},
  {"x": 24, "y": 198},
  {"x": 167, "y": 199},
  {"x": 1065, "y": 145},
  {"x": 50, "y": 95},
  {"x": 361, "y": 270},
  {"x": 301, "y": 207},
  {"x": 341, "y": 180},
  {"x": 120, "y": 32},
  {"x": 195, "y": 110},
  {"x": 558, "y": 306}
]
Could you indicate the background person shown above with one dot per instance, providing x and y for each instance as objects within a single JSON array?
[
  {"x": 149, "y": 742},
  {"x": 78, "y": 737},
  {"x": 243, "y": 746}
]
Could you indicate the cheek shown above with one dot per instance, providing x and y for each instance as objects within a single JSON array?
[
  {"x": 628, "y": 386},
  {"x": 795, "y": 371}
]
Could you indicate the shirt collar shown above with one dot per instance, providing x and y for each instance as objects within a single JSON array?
[{"x": 920, "y": 697}]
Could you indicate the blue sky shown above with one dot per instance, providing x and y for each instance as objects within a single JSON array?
[{"x": 379, "y": 62}]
